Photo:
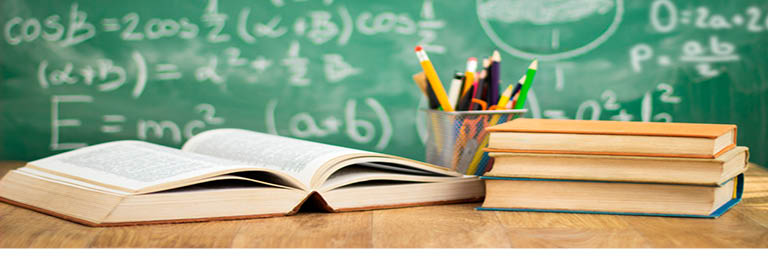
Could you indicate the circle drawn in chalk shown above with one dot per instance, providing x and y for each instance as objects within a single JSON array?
[{"x": 554, "y": 18}]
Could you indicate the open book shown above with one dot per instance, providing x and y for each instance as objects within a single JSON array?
[{"x": 225, "y": 174}]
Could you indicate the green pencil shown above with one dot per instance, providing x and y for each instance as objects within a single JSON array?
[{"x": 527, "y": 85}]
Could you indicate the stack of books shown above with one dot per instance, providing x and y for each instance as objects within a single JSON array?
[{"x": 612, "y": 167}]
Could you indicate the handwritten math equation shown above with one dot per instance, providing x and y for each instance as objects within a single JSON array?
[
  {"x": 116, "y": 123},
  {"x": 301, "y": 124},
  {"x": 704, "y": 55},
  {"x": 316, "y": 28},
  {"x": 608, "y": 106},
  {"x": 230, "y": 59}
]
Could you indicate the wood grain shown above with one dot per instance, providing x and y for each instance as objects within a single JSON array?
[
  {"x": 460, "y": 225},
  {"x": 182, "y": 235},
  {"x": 441, "y": 226},
  {"x": 575, "y": 238},
  {"x": 351, "y": 229}
]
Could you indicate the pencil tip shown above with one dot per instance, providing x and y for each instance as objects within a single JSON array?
[
  {"x": 522, "y": 80},
  {"x": 534, "y": 64},
  {"x": 418, "y": 48},
  {"x": 496, "y": 56}
]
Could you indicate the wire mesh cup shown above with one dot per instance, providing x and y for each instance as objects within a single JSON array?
[{"x": 456, "y": 139}]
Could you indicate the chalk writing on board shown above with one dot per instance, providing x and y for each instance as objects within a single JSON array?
[
  {"x": 113, "y": 123},
  {"x": 105, "y": 75},
  {"x": 666, "y": 17},
  {"x": 593, "y": 109},
  {"x": 701, "y": 54},
  {"x": 550, "y": 16},
  {"x": 318, "y": 27},
  {"x": 189, "y": 129},
  {"x": 137, "y": 74},
  {"x": 57, "y": 122},
  {"x": 20, "y": 30},
  {"x": 304, "y": 125}
]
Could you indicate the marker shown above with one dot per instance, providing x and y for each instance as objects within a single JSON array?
[
  {"x": 508, "y": 94},
  {"x": 455, "y": 89},
  {"x": 527, "y": 85},
  {"x": 495, "y": 71},
  {"x": 437, "y": 86}
]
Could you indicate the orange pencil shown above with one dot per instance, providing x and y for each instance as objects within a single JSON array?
[{"x": 469, "y": 75}]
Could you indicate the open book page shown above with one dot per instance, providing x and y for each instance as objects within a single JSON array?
[
  {"x": 64, "y": 180},
  {"x": 297, "y": 158},
  {"x": 134, "y": 166},
  {"x": 363, "y": 173}
]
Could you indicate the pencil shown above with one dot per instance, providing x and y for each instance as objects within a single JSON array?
[
  {"x": 512, "y": 101},
  {"x": 527, "y": 85},
  {"x": 485, "y": 84},
  {"x": 495, "y": 71},
  {"x": 469, "y": 74},
  {"x": 421, "y": 81},
  {"x": 474, "y": 96},
  {"x": 469, "y": 80},
  {"x": 432, "y": 99},
  {"x": 518, "y": 86},
  {"x": 478, "y": 154},
  {"x": 465, "y": 99},
  {"x": 508, "y": 94},
  {"x": 505, "y": 97},
  {"x": 482, "y": 83},
  {"x": 496, "y": 119},
  {"x": 433, "y": 79}
]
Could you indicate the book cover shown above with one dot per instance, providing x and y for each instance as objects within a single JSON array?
[
  {"x": 551, "y": 136},
  {"x": 735, "y": 199},
  {"x": 604, "y": 127}
]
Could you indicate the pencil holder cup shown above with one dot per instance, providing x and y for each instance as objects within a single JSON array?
[{"x": 456, "y": 140}]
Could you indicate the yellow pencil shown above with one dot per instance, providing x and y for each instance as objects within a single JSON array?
[
  {"x": 472, "y": 169},
  {"x": 437, "y": 86}
]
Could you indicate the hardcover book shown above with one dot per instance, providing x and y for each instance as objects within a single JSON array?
[
  {"x": 552, "y": 136},
  {"x": 225, "y": 174},
  {"x": 603, "y": 197},
  {"x": 695, "y": 171}
]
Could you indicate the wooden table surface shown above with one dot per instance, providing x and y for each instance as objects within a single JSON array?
[{"x": 745, "y": 225}]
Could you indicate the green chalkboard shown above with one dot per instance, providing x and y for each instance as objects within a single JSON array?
[{"x": 339, "y": 72}]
